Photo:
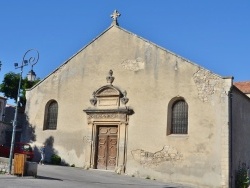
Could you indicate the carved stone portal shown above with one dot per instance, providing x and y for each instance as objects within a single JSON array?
[{"x": 108, "y": 112}]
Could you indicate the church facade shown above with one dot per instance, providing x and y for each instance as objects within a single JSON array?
[{"x": 125, "y": 104}]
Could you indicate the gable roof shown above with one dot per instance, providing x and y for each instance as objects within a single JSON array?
[
  {"x": 64, "y": 63},
  {"x": 243, "y": 86}
]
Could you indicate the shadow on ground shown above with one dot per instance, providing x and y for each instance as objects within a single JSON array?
[{"x": 48, "y": 178}]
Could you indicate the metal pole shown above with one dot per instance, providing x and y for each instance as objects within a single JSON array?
[
  {"x": 31, "y": 60},
  {"x": 15, "y": 122}
]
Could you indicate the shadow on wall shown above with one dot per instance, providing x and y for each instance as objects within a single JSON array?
[
  {"x": 28, "y": 131},
  {"x": 49, "y": 148},
  {"x": 49, "y": 151},
  {"x": 29, "y": 136}
]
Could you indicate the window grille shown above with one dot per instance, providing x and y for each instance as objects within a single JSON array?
[
  {"x": 52, "y": 113},
  {"x": 179, "y": 121}
]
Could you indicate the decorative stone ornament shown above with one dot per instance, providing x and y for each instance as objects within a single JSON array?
[
  {"x": 124, "y": 100},
  {"x": 93, "y": 100},
  {"x": 110, "y": 78},
  {"x": 109, "y": 99}
]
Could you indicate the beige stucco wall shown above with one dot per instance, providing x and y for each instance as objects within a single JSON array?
[
  {"x": 152, "y": 77},
  {"x": 240, "y": 130}
]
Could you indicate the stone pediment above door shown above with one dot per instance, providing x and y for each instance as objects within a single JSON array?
[
  {"x": 109, "y": 99},
  {"x": 108, "y": 90}
]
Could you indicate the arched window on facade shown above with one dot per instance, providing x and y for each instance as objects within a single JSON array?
[
  {"x": 51, "y": 113},
  {"x": 178, "y": 117}
]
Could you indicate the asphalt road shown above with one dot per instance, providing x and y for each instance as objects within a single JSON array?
[{"x": 59, "y": 176}]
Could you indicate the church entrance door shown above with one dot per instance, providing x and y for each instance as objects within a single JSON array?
[{"x": 106, "y": 147}]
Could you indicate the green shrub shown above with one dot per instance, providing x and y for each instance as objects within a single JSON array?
[
  {"x": 242, "y": 179},
  {"x": 55, "y": 159}
]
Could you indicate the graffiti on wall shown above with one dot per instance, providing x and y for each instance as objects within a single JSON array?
[
  {"x": 146, "y": 158},
  {"x": 133, "y": 64},
  {"x": 87, "y": 140}
]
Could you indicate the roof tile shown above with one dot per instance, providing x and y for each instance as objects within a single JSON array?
[{"x": 243, "y": 86}]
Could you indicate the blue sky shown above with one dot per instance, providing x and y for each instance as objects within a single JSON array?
[{"x": 214, "y": 34}]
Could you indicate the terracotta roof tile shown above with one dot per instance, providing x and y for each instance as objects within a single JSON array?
[{"x": 243, "y": 86}]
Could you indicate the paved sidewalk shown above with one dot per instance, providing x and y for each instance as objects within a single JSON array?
[{"x": 58, "y": 176}]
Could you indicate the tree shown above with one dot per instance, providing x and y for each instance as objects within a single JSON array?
[{"x": 9, "y": 87}]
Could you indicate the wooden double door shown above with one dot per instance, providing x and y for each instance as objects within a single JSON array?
[{"x": 106, "y": 153}]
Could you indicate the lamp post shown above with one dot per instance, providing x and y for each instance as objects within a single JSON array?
[
  {"x": 0, "y": 65},
  {"x": 30, "y": 57}
]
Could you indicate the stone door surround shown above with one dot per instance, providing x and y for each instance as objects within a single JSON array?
[{"x": 108, "y": 109}]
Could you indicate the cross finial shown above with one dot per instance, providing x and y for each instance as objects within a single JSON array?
[{"x": 114, "y": 16}]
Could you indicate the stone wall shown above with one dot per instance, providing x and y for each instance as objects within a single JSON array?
[{"x": 4, "y": 164}]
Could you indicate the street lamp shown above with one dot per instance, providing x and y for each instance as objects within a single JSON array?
[
  {"x": 30, "y": 57},
  {"x": 0, "y": 65}
]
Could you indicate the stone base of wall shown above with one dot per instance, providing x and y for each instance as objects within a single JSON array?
[
  {"x": 4, "y": 165},
  {"x": 30, "y": 167}
]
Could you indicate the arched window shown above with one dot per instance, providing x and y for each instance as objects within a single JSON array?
[
  {"x": 51, "y": 113},
  {"x": 179, "y": 117}
]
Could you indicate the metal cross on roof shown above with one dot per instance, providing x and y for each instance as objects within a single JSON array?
[{"x": 114, "y": 16}]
